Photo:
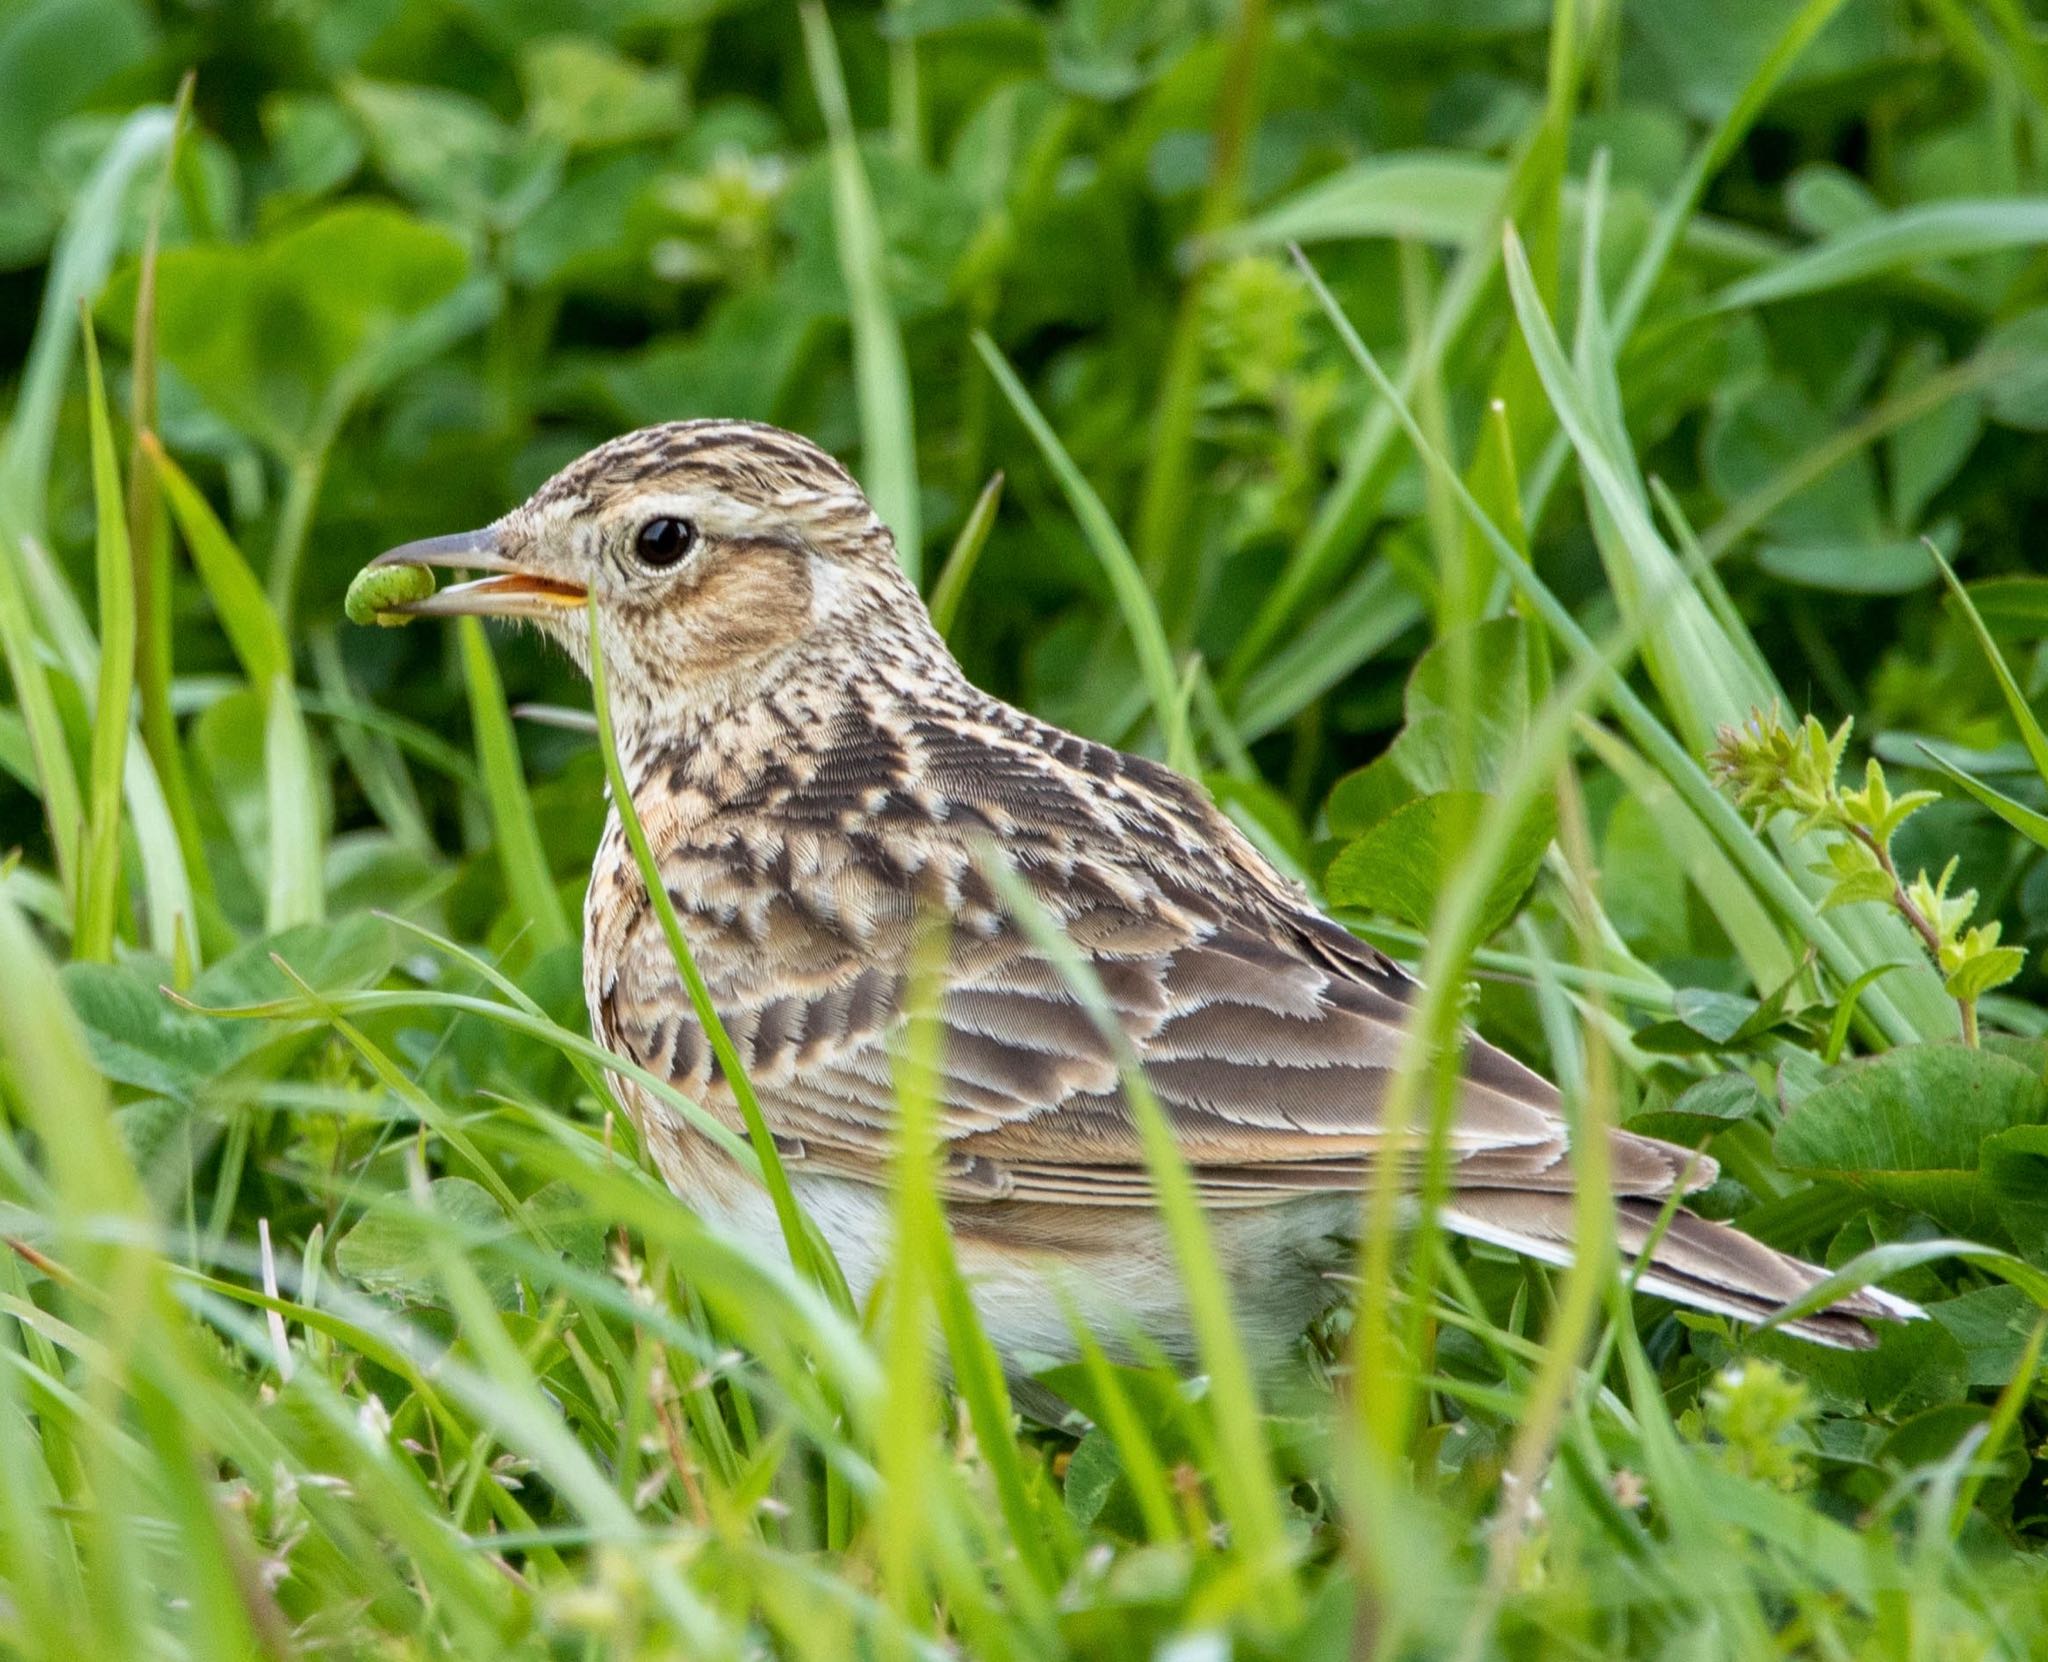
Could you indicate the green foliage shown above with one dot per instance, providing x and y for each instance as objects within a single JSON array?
[
  {"x": 341, "y": 1310},
  {"x": 1775, "y": 769},
  {"x": 1760, "y": 1416}
]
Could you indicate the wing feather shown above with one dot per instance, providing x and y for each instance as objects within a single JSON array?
[{"x": 1269, "y": 1034}]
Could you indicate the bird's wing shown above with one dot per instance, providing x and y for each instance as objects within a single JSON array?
[{"x": 1269, "y": 1035}]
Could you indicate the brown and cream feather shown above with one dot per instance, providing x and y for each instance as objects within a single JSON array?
[{"x": 821, "y": 781}]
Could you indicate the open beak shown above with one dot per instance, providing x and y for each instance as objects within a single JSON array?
[{"x": 506, "y": 589}]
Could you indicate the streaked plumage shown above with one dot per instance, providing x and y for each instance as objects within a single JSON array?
[{"x": 819, "y": 780}]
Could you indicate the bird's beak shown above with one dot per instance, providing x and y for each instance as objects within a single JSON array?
[{"x": 507, "y": 589}]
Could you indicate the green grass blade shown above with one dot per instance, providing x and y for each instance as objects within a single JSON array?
[
  {"x": 245, "y": 615},
  {"x": 529, "y": 885},
  {"x": 1532, "y": 184},
  {"x": 56, "y": 1084},
  {"x": 2023, "y": 715},
  {"x": 149, "y": 542},
  {"x": 806, "y": 1247},
  {"x": 910, "y": 1417},
  {"x": 1703, "y": 680},
  {"x": 1682, "y": 203},
  {"x": 1758, "y": 867},
  {"x": 78, "y": 271},
  {"x": 1374, "y": 610},
  {"x": 2026, "y": 821},
  {"x": 958, "y": 571},
  {"x": 1244, "y": 1474},
  {"x": 2017, "y": 1392},
  {"x": 295, "y": 792},
  {"x": 99, "y": 875},
  {"x": 1168, "y": 550},
  {"x": 1750, "y": 928},
  {"x": 56, "y": 778},
  {"x": 373, "y": 757},
  {"x": 1126, "y": 582},
  {"x": 1916, "y": 235},
  {"x": 888, "y": 431},
  {"x": 167, "y": 892}
]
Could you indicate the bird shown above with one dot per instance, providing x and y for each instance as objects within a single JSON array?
[{"x": 819, "y": 781}]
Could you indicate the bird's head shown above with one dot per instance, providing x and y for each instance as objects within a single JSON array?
[{"x": 715, "y": 551}]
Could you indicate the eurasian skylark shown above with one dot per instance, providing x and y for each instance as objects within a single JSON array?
[{"x": 819, "y": 779}]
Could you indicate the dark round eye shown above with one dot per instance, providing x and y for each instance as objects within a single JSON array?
[{"x": 662, "y": 542}]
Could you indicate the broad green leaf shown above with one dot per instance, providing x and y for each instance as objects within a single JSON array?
[
  {"x": 1985, "y": 972},
  {"x": 1726, "y": 1096},
  {"x": 1923, "y": 455},
  {"x": 1361, "y": 799},
  {"x": 314, "y": 146},
  {"x": 1402, "y": 865},
  {"x": 1092, "y": 1472},
  {"x": 1706, "y": 52},
  {"x": 1823, "y": 199},
  {"x": 1991, "y": 1324},
  {"x": 451, "y": 155},
  {"x": 2019, "y": 396},
  {"x": 1917, "y": 1108},
  {"x": 275, "y": 335},
  {"x": 389, "y": 1250},
  {"x": 139, "y": 1037},
  {"x": 1444, "y": 748},
  {"x": 1911, "y": 1126},
  {"x": 2015, "y": 1166},
  {"x": 336, "y": 956},
  {"x": 584, "y": 95},
  {"x": 1850, "y": 568},
  {"x": 54, "y": 56},
  {"x": 1916, "y": 1366},
  {"x": 1757, "y": 435}
]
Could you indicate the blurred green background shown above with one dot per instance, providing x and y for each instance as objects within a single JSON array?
[{"x": 421, "y": 254}]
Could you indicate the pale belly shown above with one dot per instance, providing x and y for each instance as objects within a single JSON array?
[{"x": 1115, "y": 1271}]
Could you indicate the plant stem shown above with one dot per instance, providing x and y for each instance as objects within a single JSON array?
[
  {"x": 294, "y": 521},
  {"x": 1165, "y": 552},
  {"x": 1922, "y": 924}
]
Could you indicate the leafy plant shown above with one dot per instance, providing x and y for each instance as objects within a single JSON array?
[{"x": 1777, "y": 769}]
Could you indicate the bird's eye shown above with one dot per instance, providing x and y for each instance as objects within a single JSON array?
[{"x": 662, "y": 542}]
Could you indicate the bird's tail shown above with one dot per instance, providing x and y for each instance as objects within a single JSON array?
[{"x": 1694, "y": 1261}]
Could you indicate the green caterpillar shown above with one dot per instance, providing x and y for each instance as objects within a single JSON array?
[{"x": 376, "y": 589}]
